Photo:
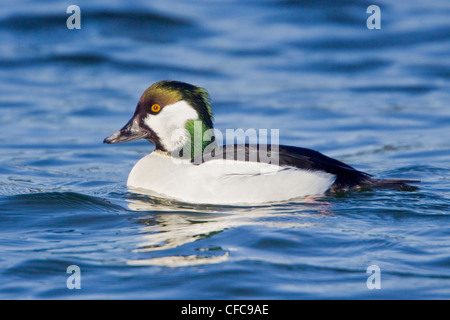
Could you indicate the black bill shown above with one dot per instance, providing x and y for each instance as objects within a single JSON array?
[{"x": 130, "y": 132}]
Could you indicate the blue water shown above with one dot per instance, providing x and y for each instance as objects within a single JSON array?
[{"x": 376, "y": 99}]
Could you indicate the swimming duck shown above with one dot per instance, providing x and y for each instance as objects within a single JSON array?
[{"x": 188, "y": 165}]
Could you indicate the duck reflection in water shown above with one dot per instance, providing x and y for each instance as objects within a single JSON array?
[{"x": 181, "y": 224}]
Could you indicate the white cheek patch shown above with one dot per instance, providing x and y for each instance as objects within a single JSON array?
[{"x": 169, "y": 124}]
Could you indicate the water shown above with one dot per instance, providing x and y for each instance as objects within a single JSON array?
[{"x": 376, "y": 99}]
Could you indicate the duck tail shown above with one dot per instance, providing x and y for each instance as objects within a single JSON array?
[{"x": 401, "y": 184}]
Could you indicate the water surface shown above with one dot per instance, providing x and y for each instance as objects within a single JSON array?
[{"x": 376, "y": 99}]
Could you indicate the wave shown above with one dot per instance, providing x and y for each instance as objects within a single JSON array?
[
  {"x": 56, "y": 202},
  {"x": 142, "y": 18}
]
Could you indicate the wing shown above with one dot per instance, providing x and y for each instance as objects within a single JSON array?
[{"x": 286, "y": 156}]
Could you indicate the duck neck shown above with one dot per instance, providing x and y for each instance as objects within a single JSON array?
[{"x": 199, "y": 136}]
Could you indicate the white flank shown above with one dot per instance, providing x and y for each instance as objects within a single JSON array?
[{"x": 224, "y": 181}]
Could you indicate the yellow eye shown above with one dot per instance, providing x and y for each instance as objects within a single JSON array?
[{"x": 155, "y": 108}]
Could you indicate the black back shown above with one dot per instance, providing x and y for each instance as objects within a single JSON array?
[{"x": 286, "y": 156}]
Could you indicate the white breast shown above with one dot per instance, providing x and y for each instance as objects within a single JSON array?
[{"x": 224, "y": 181}]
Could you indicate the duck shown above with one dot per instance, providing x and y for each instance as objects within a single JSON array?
[{"x": 189, "y": 165}]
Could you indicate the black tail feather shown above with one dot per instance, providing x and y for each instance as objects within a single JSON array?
[
  {"x": 368, "y": 183},
  {"x": 401, "y": 184}
]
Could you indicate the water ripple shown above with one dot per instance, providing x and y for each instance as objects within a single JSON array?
[
  {"x": 376, "y": 99},
  {"x": 52, "y": 202}
]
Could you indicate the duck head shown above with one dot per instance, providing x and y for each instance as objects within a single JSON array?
[{"x": 171, "y": 115}]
